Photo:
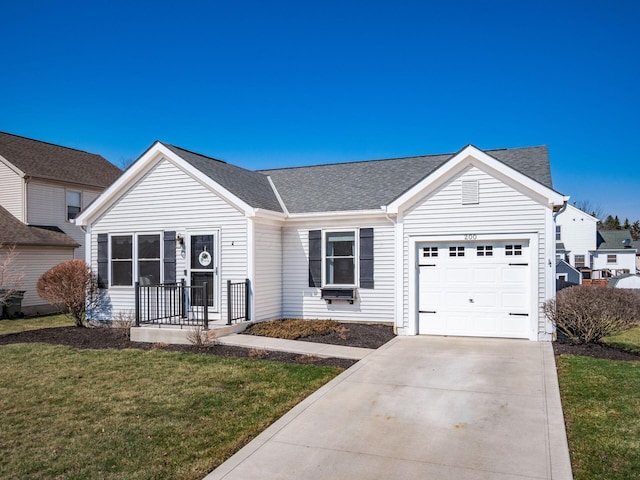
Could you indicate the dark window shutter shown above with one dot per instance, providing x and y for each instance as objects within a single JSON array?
[
  {"x": 366, "y": 258},
  {"x": 103, "y": 260},
  {"x": 169, "y": 257},
  {"x": 315, "y": 258}
]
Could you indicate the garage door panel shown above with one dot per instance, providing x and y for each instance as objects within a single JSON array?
[{"x": 476, "y": 294}]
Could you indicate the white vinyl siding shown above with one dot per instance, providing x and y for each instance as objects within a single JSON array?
[
  {"x": 168, "y": 199},
  {"x": 11, "y": 193},
  {"x": 33, "y": 262},
  {"x": 267, "y": 287},
  {"x": 302, "y": 301},
  {"x": 47, "y": 205},
  {"x": 502, "y": 210},
  {"x": 578, "y": 233}
]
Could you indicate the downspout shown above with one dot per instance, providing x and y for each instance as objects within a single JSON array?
[
  {"x": 394, "y": 222},
  {"x": 552, "y": 263}
]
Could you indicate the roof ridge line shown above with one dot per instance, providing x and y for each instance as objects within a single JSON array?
[{"x": 53, "y": 144}]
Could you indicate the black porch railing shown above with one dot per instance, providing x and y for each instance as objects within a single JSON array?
[
  {"x": 172, "y": 304},
  {"x": 237, "y": 301}
]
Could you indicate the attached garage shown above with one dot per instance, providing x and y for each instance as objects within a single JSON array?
[{"x": 477, "y": 288}]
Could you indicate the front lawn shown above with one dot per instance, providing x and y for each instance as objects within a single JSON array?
[
  {"x": 628, "y": 341},
  {"x": 67, "y": 413},
  {"x": 601, "y": 401},
  {"x": 24, "y": 324}
]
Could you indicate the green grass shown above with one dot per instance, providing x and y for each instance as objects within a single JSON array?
[
  {"x": 133, "y": 414},
  {"x": 601, "y": 401},
  {"x": 21, "y": 325},
  {"x": 629, "y": 340}
]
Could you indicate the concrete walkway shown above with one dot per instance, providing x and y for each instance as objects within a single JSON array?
[
  {"x": 422, "y": 408},
  {"x": 322, "y": 350}
]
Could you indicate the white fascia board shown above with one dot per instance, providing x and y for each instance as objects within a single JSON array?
[
  {"x": 471, "y": 155},
  {"x": 346, "y": 214},
  {"x": 140, "y": 167},
  {"x": 260, "y": 214},
  {"x": 277, "y": 194}
]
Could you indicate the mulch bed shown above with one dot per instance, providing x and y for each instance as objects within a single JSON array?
[
  {"x": 115, "y": 338},
  {"x": 357, "y": 335},
  {"x": 595, "y": 350}
]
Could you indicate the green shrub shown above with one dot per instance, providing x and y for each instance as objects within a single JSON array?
[{"x": 585, "y": 313}]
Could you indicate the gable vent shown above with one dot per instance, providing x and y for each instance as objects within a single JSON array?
[{"x": 470, "y": 192}]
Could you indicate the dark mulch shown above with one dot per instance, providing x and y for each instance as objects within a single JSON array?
[
  {"x": 595, "y": 350},
  {"x": 114, "y": 338}
]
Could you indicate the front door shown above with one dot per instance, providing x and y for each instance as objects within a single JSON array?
[{"x": 203, "y": 263}]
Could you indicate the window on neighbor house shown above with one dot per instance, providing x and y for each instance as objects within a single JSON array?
[
  {"x": 149, "y": 259},
  {"x": 612, "y": 258},
  {"x": 122, "y": 260},
  {"x": 74, "y": 204},
  {"x": 340, "y": 258},
  {"x": 579, "y": 261},
  {"x": 558, "y": 232}
]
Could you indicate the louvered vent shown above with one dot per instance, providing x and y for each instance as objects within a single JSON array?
[{"x": 470, "y": 192}]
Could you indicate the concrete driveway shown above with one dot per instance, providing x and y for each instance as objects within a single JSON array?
[{"x": 422, "y": 408}]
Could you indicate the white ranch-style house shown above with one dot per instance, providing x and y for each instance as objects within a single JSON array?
[{"x": 453, "y": 244}]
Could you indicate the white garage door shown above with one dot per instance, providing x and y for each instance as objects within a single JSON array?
[{"x": 474, "y": 289}]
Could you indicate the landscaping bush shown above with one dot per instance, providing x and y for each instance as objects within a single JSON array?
[
  {"x": 585, "y": 314},
  {"x": 70, "y": 286}
]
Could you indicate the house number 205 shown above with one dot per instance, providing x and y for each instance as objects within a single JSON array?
[{"x": 470, "y": 236}]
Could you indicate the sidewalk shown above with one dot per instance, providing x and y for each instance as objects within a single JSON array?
[{"x": 322, "y": 350}]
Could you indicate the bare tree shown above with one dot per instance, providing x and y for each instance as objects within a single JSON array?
[
  {"x": 590, "y": 208},
  {"x": 11, "y": 277}
]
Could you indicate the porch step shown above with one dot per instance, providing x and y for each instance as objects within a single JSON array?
[{"x": 182, "y": 336}]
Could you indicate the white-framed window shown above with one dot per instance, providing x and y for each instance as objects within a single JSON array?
[
  {"x": 74, "y": 204},
  {"x": 484, "y": 251},
  {"x": 456, "y": 251},
  {"x": 579, "y": 261},
  {"x": 558, "y": 232},
  {"x": 430, "y": 252},
  {"x": 121, "y": 259},
  {"x": 135, "y": 256},
  {"x": 148, "y": 254},
  {"x": 612, "y": 258},
  {"x": 340, "y": 255}
]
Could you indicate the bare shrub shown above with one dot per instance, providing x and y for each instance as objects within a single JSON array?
[
  {"x": 11, "y": 277},
  {"x": 198, "y": 336},
  {"x": 70, "y": 286},
  {"x": 122, "y": 322},
  {"x": 258, "y": 353},
  {"x": 585, "y": 314}
]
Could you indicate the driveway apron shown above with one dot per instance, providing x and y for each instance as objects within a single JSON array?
[{"x": 422, "y": 408}]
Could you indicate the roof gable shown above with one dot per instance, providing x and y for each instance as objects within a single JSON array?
[
  {"x": 250, "y": 186},
  {"x": 54, "y": 162},
  {"x": 13, "y": 231},
  {"x": 487, "y": 161}
]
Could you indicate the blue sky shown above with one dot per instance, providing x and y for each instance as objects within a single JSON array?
[{"x": 271, "y": 84}]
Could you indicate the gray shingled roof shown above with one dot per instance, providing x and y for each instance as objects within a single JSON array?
[
  {"x": 45, "y": 160},
  {"x": 613, "y": 239},
  {"x": 13, "y": 231},
  {"x": 370, "y": 184},
  {"x": 251, "y": 187}
]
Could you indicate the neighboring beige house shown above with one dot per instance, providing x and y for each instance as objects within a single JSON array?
[{"x": 46, "y": 186}]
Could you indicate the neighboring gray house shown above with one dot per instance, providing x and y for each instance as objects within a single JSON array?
[
  {"x": 454, "y": 244},
  {"x": 567, "y": 275},
  {"x": 43, "y": 187}
]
